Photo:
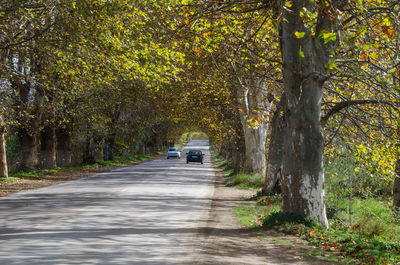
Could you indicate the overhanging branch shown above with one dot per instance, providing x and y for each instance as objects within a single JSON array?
[{"x": 346, "y": 104}]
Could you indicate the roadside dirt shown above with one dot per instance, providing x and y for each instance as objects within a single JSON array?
[
  {"x": 7, "y": 188},
  {"x": 226, "y": 241}
]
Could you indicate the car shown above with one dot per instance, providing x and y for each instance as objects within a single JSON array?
[
  {"x": 194, "y": 156},
  {"x": 173, "y": 152}
]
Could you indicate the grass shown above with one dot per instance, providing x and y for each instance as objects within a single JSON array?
[
  {"x": 356, "y": 246},
  {"x": 238, "y": 180},
  {"x": 245, "y": 181},
  {"x": 42, "y": 173},
  {"x": 364, "y": 229}
]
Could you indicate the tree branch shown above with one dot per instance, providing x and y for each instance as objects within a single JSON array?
[{"x": 346, "y": 104}]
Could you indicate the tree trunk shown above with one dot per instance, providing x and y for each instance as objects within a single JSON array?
[
  {"x": 3, "y": 154},
  {"x": 396, "y": 185},
  {"x": 142, "y": 148},
  {"x": 255, "y": 104},
  {"x": 303, "y": 77},
  {"x": 255, "y": 149},
  {"x": 237, "y": 160},
  {"x": 110, "y": 141},
  {"x": 48, "y": 147},
  {"x": 29, "y": 121},
  {"x": 89, "y": 152},
  {"x": 64, "y": 151},
  {"x": 29, "y": 156},
  {"x": 274, "y": 161}
]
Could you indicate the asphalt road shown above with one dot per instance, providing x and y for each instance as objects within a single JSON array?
[{"x": 145, "y": 214}]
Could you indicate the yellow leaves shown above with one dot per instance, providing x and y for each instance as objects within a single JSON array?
[
  {"x": 187, "y": 22},
  {"x": 328, "y": 36},
  {"x": 288, "y": 4},
  {"x": 299, "y": 35},
  {"x": 301, "y": 53}
]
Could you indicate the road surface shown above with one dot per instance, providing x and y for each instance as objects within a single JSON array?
[{"x": 145, "y": 214}]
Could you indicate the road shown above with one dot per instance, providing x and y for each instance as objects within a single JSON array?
[{"x": 145, "y": 214}]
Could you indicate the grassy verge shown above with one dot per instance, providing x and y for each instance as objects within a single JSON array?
[
  {"x": 363, "y": 229},
  {"x": 42, "y": 173},
  {"x": 350, "y": 242},
  {"x": 238, "y": 180}
]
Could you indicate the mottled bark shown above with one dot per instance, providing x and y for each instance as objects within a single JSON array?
[
  {"x": 274, "y": 160},
  {"x": 48, "y": 147},
  {"x": 304, "y": 74},
  {"x": 64, "y": 151},
  {"x": 255, "y": 104},
  {"x": 3, "y": 154}
]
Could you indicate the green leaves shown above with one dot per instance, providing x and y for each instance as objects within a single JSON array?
[{"x": 328, "y": 36}]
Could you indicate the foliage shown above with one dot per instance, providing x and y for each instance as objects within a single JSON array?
[{"x": 347, "y": 241}]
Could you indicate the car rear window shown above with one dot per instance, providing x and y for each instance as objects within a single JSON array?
[
  {"x": 173, "y": 149},
  {"x": 195, "y": 152}
]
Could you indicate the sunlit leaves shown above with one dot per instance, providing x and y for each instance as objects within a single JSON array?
[
  {"x": 299, "y": 35},
  {"x": 328, "y": 36}
]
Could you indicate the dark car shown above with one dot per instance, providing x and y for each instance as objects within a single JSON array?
[{"x": 194, "y": 156}]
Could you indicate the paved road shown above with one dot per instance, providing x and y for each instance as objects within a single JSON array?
[{"x": 144, "y": 214}]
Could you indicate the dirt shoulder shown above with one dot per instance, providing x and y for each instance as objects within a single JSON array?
[{"x": 226, "y": 241}]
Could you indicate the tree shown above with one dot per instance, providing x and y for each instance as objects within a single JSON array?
[{"x": 3, "y": 157}]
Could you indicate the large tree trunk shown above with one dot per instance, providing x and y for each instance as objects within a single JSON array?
[
  {"x": 89, "y": 152},
  {"x": 29, "y": 122},
  {"x": 303, "y": 77},
  {"x": 255, "y": 149},
  {"x": 64, "y": 151},
  {"x": 3, "y": 154},
  {"x": 29, "y": 156},
  {"x": 255, "y": 104},
  {"x": 274, "y": 160},
  {"x": 396, "y": 185},
  {"x": 48, "y": 147}
]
